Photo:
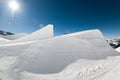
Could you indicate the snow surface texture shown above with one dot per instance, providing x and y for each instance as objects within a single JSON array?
[
  {"x": 80, "y": 70},
  {"x": 77, "y": 56}
]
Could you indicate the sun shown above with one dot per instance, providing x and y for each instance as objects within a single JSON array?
[{"x": 13, "y": 5}]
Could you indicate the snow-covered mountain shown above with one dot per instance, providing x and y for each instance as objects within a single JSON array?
[
  {"x": 77, "y": 56},
  {"x": 5, "y": 33},
  {"x": 114, "y": 42}
]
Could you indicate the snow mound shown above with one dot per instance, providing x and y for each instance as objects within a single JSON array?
[
  {"x": 16, "y": 36},
  {"x": 62, "y": 51},
  {"x": 44, "y": 33},
  {"x": 55, "y": 54},
  {"x": 2, "y": 40},
  {"x": 77, "y": 56}
]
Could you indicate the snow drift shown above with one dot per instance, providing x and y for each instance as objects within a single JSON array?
[{"x": 13, "y": 37}]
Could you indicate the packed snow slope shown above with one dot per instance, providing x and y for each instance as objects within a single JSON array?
[
  {"x": 105, "y": 69},
  {"x": 118, "y": 49},
  {"x": 112, "y": 74},
  {"x": 55, "y": 54},
  {"x": 7, "y": 63},
  {"x": 16, "y": 36},
  {"x": 44, "y": 33}
]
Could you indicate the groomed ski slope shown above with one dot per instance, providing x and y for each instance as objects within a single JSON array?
[{"x": 77, "y": 56}]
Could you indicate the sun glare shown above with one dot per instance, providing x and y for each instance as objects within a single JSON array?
[{"x": 14, "y": 5}]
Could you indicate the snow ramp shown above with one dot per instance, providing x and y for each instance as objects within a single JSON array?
[{"x": 44, "y": 33}]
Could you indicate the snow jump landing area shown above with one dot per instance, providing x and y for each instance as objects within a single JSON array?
[{"x": 41, "y": 56}]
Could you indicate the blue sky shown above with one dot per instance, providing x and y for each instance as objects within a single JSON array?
[{"x": 72, "y": 15}]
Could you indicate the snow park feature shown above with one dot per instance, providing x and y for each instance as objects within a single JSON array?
[
  {"x": 44, "y": 33},
  {"x": 77, "y": 56}
]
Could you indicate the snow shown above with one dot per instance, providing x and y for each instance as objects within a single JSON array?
[
  {"x": 16, "y": 36},
  {"x": 44, "y": 33},
  {"x": 118, "y": 49},
  {"x": 40, "y": 56},
  {"x": 2, "y": 40},
  {"x": 113, "y": 74},
  {"x": 7, "y": 62},
  {"x": 79, "y": 70},
  {"x": 59, "y": 51},
  {"x": 16, "y": 43}
]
